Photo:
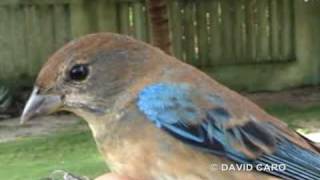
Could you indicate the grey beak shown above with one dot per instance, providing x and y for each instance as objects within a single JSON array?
[{"x": 38, "y": 105}]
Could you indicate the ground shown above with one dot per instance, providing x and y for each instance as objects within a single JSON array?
[
  {"x": 299, "y": 108},
  {"x": 35, "y": 150},
  {"x": 11, "y": 130}
]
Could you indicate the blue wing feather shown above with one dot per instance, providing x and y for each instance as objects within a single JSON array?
[{"x": 173, "y": 108}]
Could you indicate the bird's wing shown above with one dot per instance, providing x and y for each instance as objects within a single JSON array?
[{"x": 203, "y": 120}]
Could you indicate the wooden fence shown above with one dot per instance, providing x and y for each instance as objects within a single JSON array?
[
  {"x": 29, "y": 32},
  {"x": 211, "y": 32},
  {"x": 203, "y": 32}
]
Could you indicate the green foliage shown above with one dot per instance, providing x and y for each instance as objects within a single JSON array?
[{"x": 5, "y": 98}]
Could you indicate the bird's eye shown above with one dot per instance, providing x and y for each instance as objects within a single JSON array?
[{"x": 79, "y": 72}]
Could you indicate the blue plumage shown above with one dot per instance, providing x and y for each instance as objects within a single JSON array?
[
  {"x": 164, "y": 104},
  {"x": 175, "y": 109}
]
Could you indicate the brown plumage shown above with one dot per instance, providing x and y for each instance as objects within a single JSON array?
[{"x": 114, "y": 90}]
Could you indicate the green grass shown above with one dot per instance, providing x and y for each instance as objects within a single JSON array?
[
  {"x": 293, "y": 116},
  {"x": 35, "y": 158}
]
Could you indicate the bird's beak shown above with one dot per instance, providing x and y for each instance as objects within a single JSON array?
[{"x": 38, "y": 105}]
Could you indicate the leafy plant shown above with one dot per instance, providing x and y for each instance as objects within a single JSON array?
[{"x": 5, "y": 98}]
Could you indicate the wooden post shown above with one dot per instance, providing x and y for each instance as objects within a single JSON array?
[{"x": 159, "y": 24}]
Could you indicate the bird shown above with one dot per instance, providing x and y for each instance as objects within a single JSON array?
[{"x": 154, "y": 117}]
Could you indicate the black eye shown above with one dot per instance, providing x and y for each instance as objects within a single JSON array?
[{"x": 79, "y": 72}]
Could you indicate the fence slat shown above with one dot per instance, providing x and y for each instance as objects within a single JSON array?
[
  {"x": 239, "y": 31},
  {"x": 215, "y": 52},
  {"x": 275, "y": 29},
  {"x": 107, "y": 16},
  {"x": 34, "y": 2},
  {"x": 190, "y": 31},
  {"x": 203, "y": 34},
  {"x": 227, "y": 23},
  {"x": 287, "y": 38},
  {"x": 32, "y": 37},
  {"x": 124, "y": 18},
  {"x": 18, "y": 38},
  {"x": 80, "y": 21},
  {"x": 251, "y": 29},
  {"x": 5, "y": 48},
  {"x": 140, "y": 21},
  {"x": 61, "y": 25},
  {"x": 263, "y": 37},
  {"x": 47, "y": 30},
  {"x": 175, "y": 19}
]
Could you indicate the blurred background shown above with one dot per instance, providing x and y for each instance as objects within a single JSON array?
[{"x": 268, "y": 50}]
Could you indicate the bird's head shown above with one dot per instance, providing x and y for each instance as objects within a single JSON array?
[{"x": 86, "y": 75}]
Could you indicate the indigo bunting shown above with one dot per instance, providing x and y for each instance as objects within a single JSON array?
[{"x": 154, "y": 117}]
